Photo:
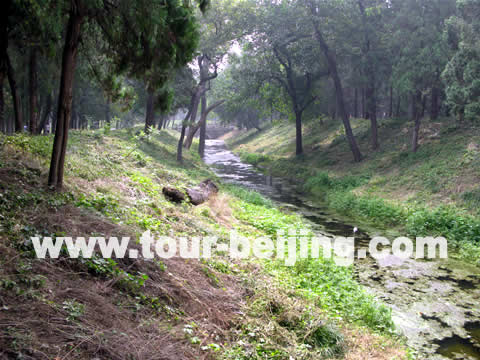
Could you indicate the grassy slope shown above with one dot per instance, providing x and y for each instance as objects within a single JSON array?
[
  {"x": 169, "y": 309},
  {"x": 443, "y": 175}
]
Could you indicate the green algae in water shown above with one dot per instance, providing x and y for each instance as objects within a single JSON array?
[
  {"x": 474, "y": 331},
  {"x": 456, "y": 347}
]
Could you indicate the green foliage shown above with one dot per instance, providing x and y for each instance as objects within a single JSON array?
[
  {"x": 462, "y": 73},
  {"x": 285, "y": 328},
  {"x": 106, "y": 129},
  {"x": 74, "y": 309},
  {"x": 269, "y": 220},
  {"x": 254, "y": 159},
  {"x": 249, "y": 196},
  {"x": 373, "y": 209},
  {"x": 104, "y": 203},
  {"x": 326, "y": 338},
  {"x": 335, "y": 290},
  {"x": 472, "y": 199},
  {"x": 38, "y": 145},
  {"x": 333, "y": 287},
  {"x": 444, "y": 221},
  {"x": 322, "y": 181},
  {"x": 109, "y": 268}
]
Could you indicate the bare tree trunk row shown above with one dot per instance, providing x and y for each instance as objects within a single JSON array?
[
  {"x": 357, "y": 155},
  {"x": 150, "y": 112},
  {"x": 17, "y": 105},
  {"x": 33, "y": 89},
  {"x": 69, "y": 59}
]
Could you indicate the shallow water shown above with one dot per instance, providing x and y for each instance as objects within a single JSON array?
[{"x": 435, "y": 304}]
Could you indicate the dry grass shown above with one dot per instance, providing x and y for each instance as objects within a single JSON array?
[
  {"x": 115, "y": 324},
  {"x": 363, "y": 345},
  {"x": 219, "y": 206}
]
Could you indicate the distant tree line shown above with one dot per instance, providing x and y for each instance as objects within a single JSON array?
[
  {"x": 308, "y": 59},
  {"x": 93, "y": 63}
]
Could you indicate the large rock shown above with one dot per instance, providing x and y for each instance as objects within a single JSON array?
[{"x": 197, "y": 195}]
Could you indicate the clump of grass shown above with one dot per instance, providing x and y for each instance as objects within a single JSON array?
[
  {"x": 368, "y": 207},
  {"x": 472, "y": 199},
  {"x": 37, "y": 145},
  {"x": 249, "y": 196},
  {"x": 323, "y": 181},
  {"x": 334, "y": 289},
  {"x": 254, "y": 159},
  {"x": 446, "y": 221},
  {"x": 279, "y": 326}
]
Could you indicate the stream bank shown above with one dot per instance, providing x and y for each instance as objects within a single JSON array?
[{"x": 434, "y": 303}]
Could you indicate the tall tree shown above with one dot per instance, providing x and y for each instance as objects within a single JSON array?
[
  {"x": 421, "y": 52},
  {"x": 316, "y": 12},
  {"x": 135, "y": 40},
  {"x": 462, "y": 73},
  {"x": 33, "y": 88},
  {"x": 369, "y": 68},
  {"x": 77, "y": 14}
]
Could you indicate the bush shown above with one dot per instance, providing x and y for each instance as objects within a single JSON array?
[
  {"x": 445, "y": 221},
  {"x": 38, "y": 145},
  {"x": 323, "y": 181},
  {"x": 254, "y": 159},
  {"x": 336, "y": 290},
  {"x": 249, "y": 196}
]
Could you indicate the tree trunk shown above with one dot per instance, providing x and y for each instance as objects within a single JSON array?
[
  {"x": 461, "y": 115},
  {"x": 46, "y": 113},
  {"x": 364, "y": 109},
  {"x": 298, "y": 127},
  {"x": 417, "y": 103},
  {"x": 149, "y": 113},
  {"x": 193, "y": 116},
  {"x": 203, "y": 119},
  {"x": 17, "y": 105},
  {"x": 370, "y": 70},
  {"x": 108, "y": 117},
  {"x": 69, "y": 59},
  {"x": 184, "y": 128},
  {"x": 390, "y": 105},
  {"x": 355, "y": 104},
  {"x": 424, "y": 106},
  {"x": 372, "y": 111},
  {"x": 161, "y": 121},
  {"x": 33, "y": 126},
  {"x": 201, "y": 89},
  {"x": 75, "y": 118},
  {"x": 434, "y": 108},
  {"x": 54, "y": 122},
  {"x": 203, "y": 129},
  {"x": 3, "y": 127},
  {"x": 4, "y": 12},
  {"x": 10, "y": 125},
  {"x": 357, "y": 155},
  {"x": 180, "y": 144},
  {"x": 397, "y": 110}
]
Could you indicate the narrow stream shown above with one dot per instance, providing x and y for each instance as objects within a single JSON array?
[{"x": 435, "y": 304}]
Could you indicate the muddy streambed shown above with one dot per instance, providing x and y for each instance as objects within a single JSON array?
[{"x": 435, "y": 303}]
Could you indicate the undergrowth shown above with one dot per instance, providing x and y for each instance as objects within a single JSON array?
[
  {"x": 114, "y": 180},
  {"x": 431, "y": 192}
]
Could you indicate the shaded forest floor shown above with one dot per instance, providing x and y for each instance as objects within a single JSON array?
[
  {"x": 435, "y": 191},
  {"x": 161, "y": 309}
]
